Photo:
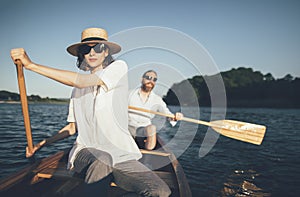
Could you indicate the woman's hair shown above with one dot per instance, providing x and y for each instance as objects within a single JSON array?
[{"x": 81, "y": 63}]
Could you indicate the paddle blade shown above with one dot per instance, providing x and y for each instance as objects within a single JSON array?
[{"x": 247, "y": 132}]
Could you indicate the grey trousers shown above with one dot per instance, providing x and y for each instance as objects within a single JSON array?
[{"x": 133, "y": 176}]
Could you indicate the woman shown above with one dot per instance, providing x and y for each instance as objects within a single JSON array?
[{"x": 98, "y": 111}]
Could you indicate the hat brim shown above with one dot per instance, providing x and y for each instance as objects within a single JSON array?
[{"x": 113, "y": 47}]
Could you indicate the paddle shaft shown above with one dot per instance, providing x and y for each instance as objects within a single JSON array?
[
  {"x": 242, "y": 131},
  {"x": 170, "y": 115},
  {"x": 24, "y": 103}
]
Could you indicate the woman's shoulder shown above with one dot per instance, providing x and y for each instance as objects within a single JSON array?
[
  {"x": 117, "y": 67},
  {"x": 119, "y": 63}
]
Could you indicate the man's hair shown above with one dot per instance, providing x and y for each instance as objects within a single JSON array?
[{"x": 149, "y": 71}]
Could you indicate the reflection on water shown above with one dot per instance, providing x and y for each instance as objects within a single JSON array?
[
  {"x": 241, "y": 183},
  {"x": 230, "y": 167}
]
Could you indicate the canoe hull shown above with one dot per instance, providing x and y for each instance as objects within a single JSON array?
[{"x": 49, "y": 177}]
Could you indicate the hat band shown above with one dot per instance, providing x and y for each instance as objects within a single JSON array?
[{"x": 92, "y": 38}]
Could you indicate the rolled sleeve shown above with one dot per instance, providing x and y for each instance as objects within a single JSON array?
[
  {"x": 112, "y": 75},
  {"x": 166, "y": 110}
]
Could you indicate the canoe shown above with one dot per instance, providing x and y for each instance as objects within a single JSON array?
[{"x": 50, "y": 177}]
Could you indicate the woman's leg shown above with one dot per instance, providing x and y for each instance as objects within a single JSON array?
[
  {"x": 93, "y": 164},
  {"x": 96, "y": 167},
  {"x": 135, "y": 177}
]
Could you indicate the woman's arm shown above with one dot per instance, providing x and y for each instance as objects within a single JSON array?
[
  {"x": 68, "y": 130},
  {"x": 66, "y": 77}
]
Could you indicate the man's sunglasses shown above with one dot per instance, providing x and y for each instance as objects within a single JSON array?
[
  {"x": 85, "y": 49},
  {"x": 150, "y": 78}
]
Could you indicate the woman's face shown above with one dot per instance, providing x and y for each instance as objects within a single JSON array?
[{"x": 95, "y": 59}]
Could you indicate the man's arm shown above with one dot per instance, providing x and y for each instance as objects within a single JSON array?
[{"x": 177, "y": 115}]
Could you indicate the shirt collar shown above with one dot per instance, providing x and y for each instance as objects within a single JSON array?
[{"x": 139, "y": 90}]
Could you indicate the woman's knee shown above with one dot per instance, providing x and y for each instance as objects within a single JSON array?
[{"x": 99, "y": 169}]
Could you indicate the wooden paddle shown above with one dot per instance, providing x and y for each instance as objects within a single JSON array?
[
  {"x": 23, "y": 98},
  {"x": 246, "y": 132}
]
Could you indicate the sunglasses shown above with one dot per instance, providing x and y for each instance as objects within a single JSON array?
[
  {"x": 150, "y": 78},
  {"x": 85, "y": 49}
]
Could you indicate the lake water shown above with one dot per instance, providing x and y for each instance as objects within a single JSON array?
[{"x": 230, "y": 167}]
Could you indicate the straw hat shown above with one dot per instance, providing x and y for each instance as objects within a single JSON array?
[{"x": 91, "y": 36}]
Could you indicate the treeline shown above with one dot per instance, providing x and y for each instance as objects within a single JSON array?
[
  {"x": 243, "y": 88},
  {"x": 6, "y": 96}
]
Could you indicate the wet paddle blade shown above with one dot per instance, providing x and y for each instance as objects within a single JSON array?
[{"x": 247, "y": 132}]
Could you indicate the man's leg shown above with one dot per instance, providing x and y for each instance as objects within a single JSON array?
[
  {"x": 150, "y": 133},
  {"x": 133, "y": 176}
]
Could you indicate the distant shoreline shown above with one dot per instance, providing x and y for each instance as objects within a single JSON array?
[
  {"x": 10, "y": 102},
  {"x": 228, "y": 106},
  {"x": 36, "y": 102},
  {"x": 14, "y": 98},
  {"x": 243, "y": 87}
]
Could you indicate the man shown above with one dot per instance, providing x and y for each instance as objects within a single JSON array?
[{"x": 140, "y": 124}]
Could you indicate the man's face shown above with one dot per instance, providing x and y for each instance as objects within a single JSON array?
[{"x": 149, "y": 81}]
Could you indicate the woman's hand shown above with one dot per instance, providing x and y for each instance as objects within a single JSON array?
[
  {"x": 35, "y": 148},
  {"x": 20, "y": 54}
]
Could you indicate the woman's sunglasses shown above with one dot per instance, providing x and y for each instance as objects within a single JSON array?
[
  {"x": 85, "y": 49},
  {"x": 150, "y": 78}
]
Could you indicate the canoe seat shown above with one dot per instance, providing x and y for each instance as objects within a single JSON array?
[
  {"x": 55, "y": 172},
  {"x": 155, "y": 152}
]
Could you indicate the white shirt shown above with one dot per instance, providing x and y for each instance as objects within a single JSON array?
[
  {"x": 101, "y": 116},
  {"x": 154, "y": 103}
]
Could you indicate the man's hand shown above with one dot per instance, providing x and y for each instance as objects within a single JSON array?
[{"x": 178, "y": 116}]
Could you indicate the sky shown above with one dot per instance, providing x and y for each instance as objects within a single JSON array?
[{"x": 172, "y": 37}]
